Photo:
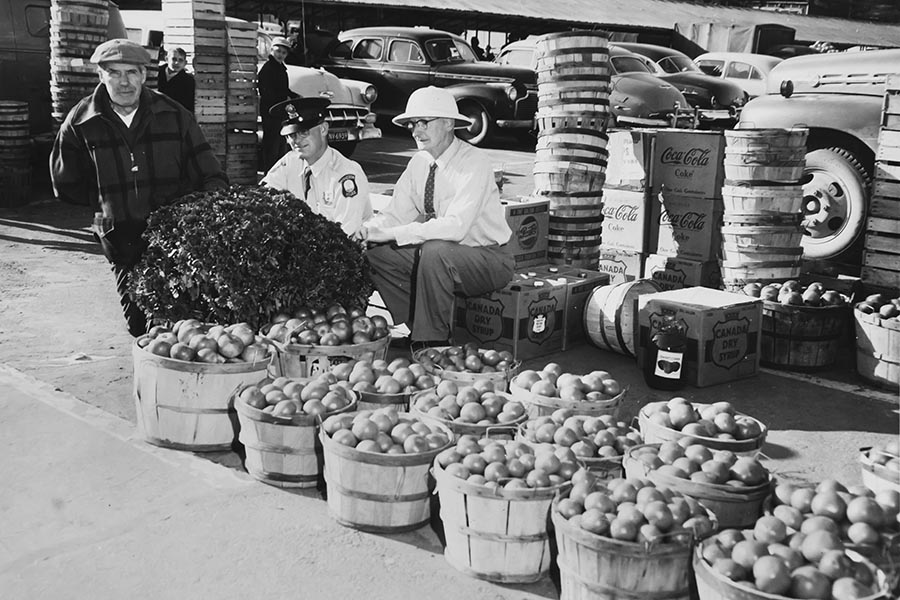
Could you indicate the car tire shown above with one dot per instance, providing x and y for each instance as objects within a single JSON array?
[
  {"x": 482, "y": 128},
  {"x": 835, "y": 203},
  {"x": 345, "y": 148}
]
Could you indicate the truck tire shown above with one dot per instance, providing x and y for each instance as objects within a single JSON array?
[
  {"x": 835, "y": 203},
  {"x": 482, "y": 128}
]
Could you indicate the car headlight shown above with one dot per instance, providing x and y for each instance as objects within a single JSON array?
[
  {"x": 512, "y": 93},
  {"x": 370, "y": 94}
]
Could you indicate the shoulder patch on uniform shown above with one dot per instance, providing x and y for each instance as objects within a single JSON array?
[{"x": 348, "y": 185}]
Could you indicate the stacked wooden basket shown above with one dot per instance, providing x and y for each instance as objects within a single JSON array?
[{"x": 571, "y": 156}]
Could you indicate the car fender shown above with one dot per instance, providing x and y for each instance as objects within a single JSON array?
[
  {"x": 855, "y": 115},
  {"x": 492, "y": 96}
]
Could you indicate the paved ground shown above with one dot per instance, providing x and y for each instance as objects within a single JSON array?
[{"x": 91, "y": 511}]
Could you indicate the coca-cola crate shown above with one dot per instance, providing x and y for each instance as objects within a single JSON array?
[
  {"x": 626, "y": 219},
  {"x": 686, "y": 226},
  {"x": 688, "y": 163}
]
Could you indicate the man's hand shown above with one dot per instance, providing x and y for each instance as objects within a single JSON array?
[{"x": 376, "y": 235}]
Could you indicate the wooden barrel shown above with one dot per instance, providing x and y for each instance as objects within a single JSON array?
[
  {"x": 541, "y": 406},
  {"x": 280, "y": 451},
  {"x": 802, "y": 337},
  {"x": 15, "y": 134},
  {"x": 878, "y": 349},
  {"x": 713, "y": 585},
  {"x": 379, "y": 493},
  {"x": 308, "y": 360},
  {"x": 765, "y": 155},
  {"x": 654, "y": 433},
  {"x": 733, "y": 506},
  {"x": 188, "y": 405},
  {"x": 595, "y": 567},
  {"x": 15, "y": 185},
  {"x": 575, "y": 238},
  {"x": 497, "y": 535},
  {"x": 567, "y": 177},
  {"x": 785, "y": 199},
  {"x": 764, "y": 139},
  {"x": 610, "y": 315}
]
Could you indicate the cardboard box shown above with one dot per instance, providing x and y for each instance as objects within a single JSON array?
[
  {"x": 626, "y": 219},
  {"x": 621, "y": 265},
  {"x": 629, "y": 162},
  {"x": 722, "y": 328},
  {"x": 685, "y": 226},
  {"x": 579, "y": 284},
  {"x": 530, "y": 224},
  {"x": 527, "y": 317},
  {"x": 675, "y": 273},
  {"x": 689, "y": 162}
]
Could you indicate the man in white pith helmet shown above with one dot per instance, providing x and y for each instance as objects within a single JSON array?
[{"x": 445, "y": 231}]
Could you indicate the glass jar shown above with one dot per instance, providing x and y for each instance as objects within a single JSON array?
[{"x": 664, "y": 367}]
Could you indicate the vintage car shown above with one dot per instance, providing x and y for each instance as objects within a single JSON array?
[
  {"x": 716, "y": 99},
  {"x": 750, "y": 71},
  {"x": 350, "y": 118},
  {"x": 636, "y": 96},
  {"x": 399, "y": 60},
  {"x": 839, "y": 97}
]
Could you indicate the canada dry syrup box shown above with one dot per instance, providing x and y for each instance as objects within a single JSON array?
[
  {"x": 630, "y": 152},
  {"x": 688, "y": 162},
  {"x": 675, "y": 273},
  {"x": 722, "y": 329},
  {"x": 530, "y": 224},
  {"x": 620, "y": 265},
  {"x": 579, "y": 283},
  {"x": 685, "y": 226},
  {"x": 527, "y": 317},
  {"x": 626, "y": 219}
]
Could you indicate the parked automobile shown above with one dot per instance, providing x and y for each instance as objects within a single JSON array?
[
  {"x": 350, "y": 117},
  {"x": 399, "y": 60},
  {"x": 636, "y": 95},
  {"x": 839, "y": 97},
  {"x": 718, "y": 100},
  {"x": 750, "y": 71}
]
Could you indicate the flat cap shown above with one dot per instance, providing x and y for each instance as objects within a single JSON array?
[
  {"x": 300, "y": 114},
  {"x": 281, "y": 41},
  {"x": 121, "y": 51}
]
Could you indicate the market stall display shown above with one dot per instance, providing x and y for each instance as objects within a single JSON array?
[
  {"x": 544, "y": 392},
  {"x": 469, "y": 409},
  {"x": 468, "y": 363}
]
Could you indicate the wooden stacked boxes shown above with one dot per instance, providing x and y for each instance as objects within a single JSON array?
[
  {"x": 570, "y": 158},
  {"x": 881, "y": 261},
  {"x": 15, "y": 154},
  {"x": 241, "y": 102},
  {"x": 77, "y": 27},
  {"x": 198, "y": 26}
]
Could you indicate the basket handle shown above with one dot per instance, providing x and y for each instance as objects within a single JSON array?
[{"x": 495, "y": 429}]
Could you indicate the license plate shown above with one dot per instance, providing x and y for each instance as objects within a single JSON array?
[{"x": 338, "y": 136}]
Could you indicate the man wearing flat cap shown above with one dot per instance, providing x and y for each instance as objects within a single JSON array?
[
  {"x": 127, "y": 150},
  {"x": 332, "y": 185},
  {"x": 445, "y": 231},
  {"x": 272, "y": 85}
]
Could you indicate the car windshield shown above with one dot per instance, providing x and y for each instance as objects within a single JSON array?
[
  {"x": 677, "y": 64},
  {"x": 712, "y": 67},
  {"x": 446, "y": 50},
  {"x": 629, "y": 64}
]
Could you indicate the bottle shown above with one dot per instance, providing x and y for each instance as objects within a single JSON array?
[{"x": 663, "y": 368}]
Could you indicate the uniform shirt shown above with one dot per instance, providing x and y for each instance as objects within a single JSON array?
[
  {"x": 466, "y": 200},
  {"x": 339, "y": 190}
]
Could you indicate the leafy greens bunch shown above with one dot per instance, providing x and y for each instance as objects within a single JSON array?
[{"x": 243, "y": 255}]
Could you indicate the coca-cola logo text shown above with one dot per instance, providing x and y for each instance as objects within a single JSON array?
[
  {"x": 622, "y": 212},
  {"x": 694, "y": 221},
  {"x": 693, "y": 157}
]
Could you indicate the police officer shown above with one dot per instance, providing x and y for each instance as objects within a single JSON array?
[{"x": 332, "y": 185}]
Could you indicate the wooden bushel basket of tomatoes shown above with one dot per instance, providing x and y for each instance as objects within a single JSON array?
[
  {"x": 311, "y": 342},
  {"x": 550, "y": 389},
  {"x": 475, "y": 409},
  {"x": 468, "y": 363}
]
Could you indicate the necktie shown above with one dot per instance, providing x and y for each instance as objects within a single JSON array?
[
  {"x": 429, "y": 193},
  {"x": 307, "y": 182}
]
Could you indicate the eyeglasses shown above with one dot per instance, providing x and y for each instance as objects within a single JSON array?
[{"x": 423, "y": 123}]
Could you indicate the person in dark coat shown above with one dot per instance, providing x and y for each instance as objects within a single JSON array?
[
  {"x": 125, "y": 151},
  {"x": 174, "y": 81},
  {"x": 272, "y": 85}
]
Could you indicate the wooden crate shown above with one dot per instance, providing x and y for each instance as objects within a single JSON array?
[
  {"x": 193, "y": 9},
  {"x": 881, "y": 259},
  {"x": 888, "y": 146}
]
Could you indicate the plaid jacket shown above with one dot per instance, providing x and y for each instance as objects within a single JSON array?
[{"x": 126, "y": 173}]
